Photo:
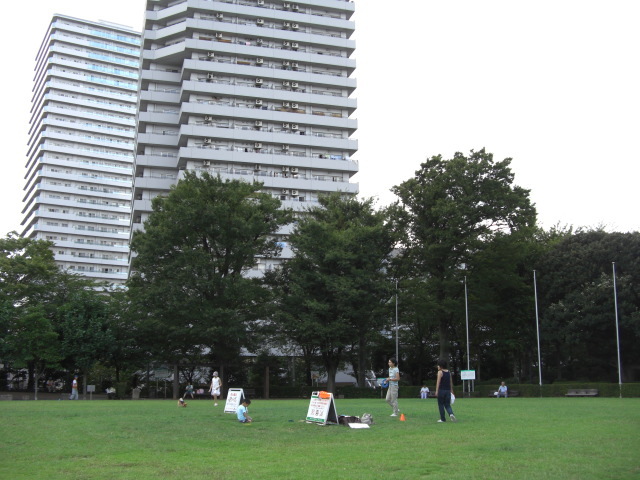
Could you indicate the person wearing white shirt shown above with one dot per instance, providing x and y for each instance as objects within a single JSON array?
[
  {"x": 502, "y": 391},
  {"x": 392, "y": 392},
  {"x": 424, "y": 392}
]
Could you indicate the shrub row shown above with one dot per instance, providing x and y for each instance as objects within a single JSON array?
[{"x": 481, "y": 391}]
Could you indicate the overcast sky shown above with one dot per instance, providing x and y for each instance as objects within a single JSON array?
[{"x": 553, "y": 84}]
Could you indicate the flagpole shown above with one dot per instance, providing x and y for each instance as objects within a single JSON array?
[
  {"x": 466, "y": 312},
  {"x": 615, "y": 302},
  {"x": 535, "y": 292},
  {"x": 397, "y": 357}
]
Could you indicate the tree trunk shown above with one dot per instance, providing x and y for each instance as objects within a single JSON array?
[
  {"x": 176, "y": 382},
  {"x": 444, "y": 339},
  {"x": 362, "y": 361},
  {"x": 332, "y": 369},
  {"x": 35, "y": 388}
]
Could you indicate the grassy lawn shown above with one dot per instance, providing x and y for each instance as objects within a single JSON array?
[{"x": 554, "y": 438}]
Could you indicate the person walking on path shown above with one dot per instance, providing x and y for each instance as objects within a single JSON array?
[
  {"x": 444, "y": 389},
  {"x": 216, "y": 386},
  {"x": 74, "y": 388},
  {"x": 392, "y": 392}
]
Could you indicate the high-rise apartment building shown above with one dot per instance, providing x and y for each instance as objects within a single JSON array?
[
  {"x": 80, "y": 156},
  {"x": 248, "y": 89}
]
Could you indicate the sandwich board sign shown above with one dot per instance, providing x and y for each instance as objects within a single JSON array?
[
  {"x": 234, "y": 399},
  {"x": 322, "y": 408}
]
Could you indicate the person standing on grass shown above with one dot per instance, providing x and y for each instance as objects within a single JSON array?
[
  {"x": 444, "y": 389},
  {"x": 242, "y": 411},
  {"x": 392, "y": 392},
  {"x": 74, "y": 388},
  {"x": 216, "y": 386}
]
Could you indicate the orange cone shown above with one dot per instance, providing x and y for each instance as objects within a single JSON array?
[{"x": 402, "y": 419}]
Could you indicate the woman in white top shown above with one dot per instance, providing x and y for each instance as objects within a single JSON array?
[{"x": 216, "y": 386}]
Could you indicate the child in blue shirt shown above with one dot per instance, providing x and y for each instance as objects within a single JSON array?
[{"x": 242, "y": 411}]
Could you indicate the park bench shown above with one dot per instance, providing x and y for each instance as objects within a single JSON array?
[
  {"x": 582, "y": 392},
  {"x": 6, "y": 397},
  {"x": 510, "y": 393}
]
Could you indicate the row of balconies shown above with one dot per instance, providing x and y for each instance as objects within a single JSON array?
[
  {"x": 280, "y": 24},
  {"x": 87, "y": 126},
  {"x": 286, "y": 65},
  {"x": 330, "y": 15},
  {"x": 61, "y": 228}
]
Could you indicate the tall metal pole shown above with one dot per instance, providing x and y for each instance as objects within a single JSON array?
[
  {"x": 535, "y": 292},
  {"x": 466, "y": 314},
  {"x": 615, "y": 302},
  {"x": 397, "y": 357}
]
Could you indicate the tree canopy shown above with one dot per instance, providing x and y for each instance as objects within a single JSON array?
[
  {"x": 188, "y": 281},
  {"x": 331, "y": 294},
  {"x": 449, "y": 211}
]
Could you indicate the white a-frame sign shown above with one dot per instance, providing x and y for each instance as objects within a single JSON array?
[
  {"x": 322, "y": 408},
  {"x": 235, "y": 396}
]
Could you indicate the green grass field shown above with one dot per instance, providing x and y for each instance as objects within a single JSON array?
[{"x": 524, "y": 438}]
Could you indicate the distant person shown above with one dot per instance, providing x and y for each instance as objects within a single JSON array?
[
  {"x": 392, "y": 392},
  {"x": 189, "y": 390},
  {"x": 214, "y": 389},
  {"x": 424, "y": 392},
  {"x": 111, "y": 393},
  {"x": 242, "y": 411},
  {"x": 182, "y": 403},
  {"x": 74, "y": 388},
  {"x": 444, "y": 389},
  {"x": 502, "y": 391}
]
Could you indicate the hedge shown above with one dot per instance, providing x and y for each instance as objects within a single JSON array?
[{"x": 481, "y": 391}]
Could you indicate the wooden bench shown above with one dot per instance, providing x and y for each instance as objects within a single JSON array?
[
  {"x": 510, "y": 393},
  {"x": 6, "y": 397},
  {"x": 582, "y": 392}
]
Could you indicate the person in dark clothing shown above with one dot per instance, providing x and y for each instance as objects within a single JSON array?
[{"x": 444, "y": 389}]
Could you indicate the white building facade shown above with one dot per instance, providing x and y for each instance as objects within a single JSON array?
[
  {"x": 251, "y": 90},
  {"x": 80, "y": 155}
]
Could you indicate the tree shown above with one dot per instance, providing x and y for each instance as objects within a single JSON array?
[
  {"x": 577, "y": 306},
  {"x": 86, "y": 336},
  {"x": 188, "y": 281},
  {"x": 332, "y": 293},
  {"x": 451, "y": 210},
  {"x": 28, "y": 276}
]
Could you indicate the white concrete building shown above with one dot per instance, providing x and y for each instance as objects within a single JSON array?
[
  {"x": 249, "y": 89},
  {"x": 80, "y": 154}
]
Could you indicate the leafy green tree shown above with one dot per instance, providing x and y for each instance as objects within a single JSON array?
[
  {"x": 575, "y": 287},
  {"x": 27, "y": 270},
  {"x": 450, "y": 210},
  {"x": 332, "y": 294},
  {"x": 86, "y": 336},
  {"x": 28, "y": 276},
  {"x": 188, "y": 282}
]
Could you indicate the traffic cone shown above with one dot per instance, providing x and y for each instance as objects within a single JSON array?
[{"x": 402, "y": 419}]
